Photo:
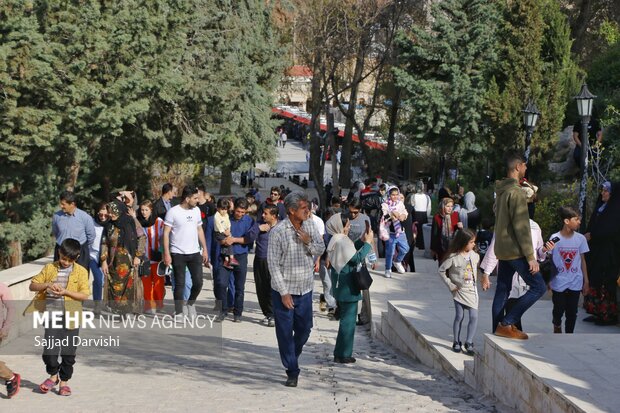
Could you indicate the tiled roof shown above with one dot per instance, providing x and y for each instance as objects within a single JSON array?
[{"x": 299, "y": 70}]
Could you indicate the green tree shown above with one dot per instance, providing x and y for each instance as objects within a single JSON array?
[
  {"x": 444, "y": 72},
  {"x": 535, "y": 63}
]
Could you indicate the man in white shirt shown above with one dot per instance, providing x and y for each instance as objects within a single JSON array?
[{"x": 182, "y": 240}]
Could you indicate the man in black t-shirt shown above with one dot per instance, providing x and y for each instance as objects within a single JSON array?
[{"x": 596, "y": 137}]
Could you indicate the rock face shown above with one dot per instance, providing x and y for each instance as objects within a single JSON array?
[{"x": 563, "y": 163}]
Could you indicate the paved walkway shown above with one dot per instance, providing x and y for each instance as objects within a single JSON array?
[{"x": 247, "y": 376}]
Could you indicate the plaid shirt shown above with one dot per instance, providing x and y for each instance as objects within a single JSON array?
[{"x": 290, "y": 261}]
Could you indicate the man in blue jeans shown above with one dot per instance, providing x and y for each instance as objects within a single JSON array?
[
  {"x": 292, "y": 245},
  {"x": 514, "y": 250},
  {"x": 243, "y": 232}
]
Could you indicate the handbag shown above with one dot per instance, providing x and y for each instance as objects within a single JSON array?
[
  {"x": 384, "y": 233},
  {"x": 548, "y": 269},
  {"x": 362, "y": 278},
  {"x": 144, "y": 268}
]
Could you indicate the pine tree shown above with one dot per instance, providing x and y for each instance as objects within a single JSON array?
[{"x": 444, "y": 73}]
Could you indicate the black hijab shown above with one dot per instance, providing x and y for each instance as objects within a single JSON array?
[
  {"x": 606, "y": 222},
  {"x": 146, "y": 223},
  {"x": 128, "y": 237}
]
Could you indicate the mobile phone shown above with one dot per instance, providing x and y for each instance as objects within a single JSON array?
[
  {"x": 555, "y": 239},
  {"x": 367, "y": 226}
]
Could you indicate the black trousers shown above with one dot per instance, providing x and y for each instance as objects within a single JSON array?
[
  {"x": 262, "y": 279},
  {"x": 64, "y": 367},
  {"x": 83, "y": 259},
  {"x": 565, "y": 303},
  {"x": 194, "y": 265}
]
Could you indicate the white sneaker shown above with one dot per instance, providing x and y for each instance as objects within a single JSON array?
[
  {"x": 388, "y": 274},
  {"x": 399, "y": 267},
  {"x": 191, "y": 311}
]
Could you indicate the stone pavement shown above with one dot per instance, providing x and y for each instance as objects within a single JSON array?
[{"x": 247, "y": 376}]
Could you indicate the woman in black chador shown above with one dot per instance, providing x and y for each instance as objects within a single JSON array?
[{"x": 603, "y": 235}]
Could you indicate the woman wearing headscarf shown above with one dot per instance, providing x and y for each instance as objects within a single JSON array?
[
  {"x": 445, "y": 224},
  {"x": 101, "y": 224},
  {"x": 603, "y": 260},
  {"x": 153, "y": 284},
  {"x": 421, "y": 203},
  {"x": 345, "y": 258},
  {"x": 121, "y": 251},
  {"x": 469, "y": 214}
]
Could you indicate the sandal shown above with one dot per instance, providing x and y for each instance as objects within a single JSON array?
[
  {"x": 48, "y": 385},
  {"x": 64, "y": 391}
]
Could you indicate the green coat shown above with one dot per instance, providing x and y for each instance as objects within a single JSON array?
[{"x": 343, "y": 286}]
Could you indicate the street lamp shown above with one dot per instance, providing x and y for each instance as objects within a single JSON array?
[
  {"x": 584, "y": 99},
  {"x": 530, "y": 117}
]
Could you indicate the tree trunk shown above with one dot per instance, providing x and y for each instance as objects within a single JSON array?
[
  {"x": 15, "y": 253},
  {"x": 334, "y": 150},
  {"x": 316, "y": 166},
  {"x": 226, "y": 181},
  {"x": 580, "y": 26},
  {"x": 347, "y": 141},
  {"x": 390, "y": 163}
]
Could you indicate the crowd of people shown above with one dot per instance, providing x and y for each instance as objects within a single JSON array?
[{"x": 133, "y": 249}]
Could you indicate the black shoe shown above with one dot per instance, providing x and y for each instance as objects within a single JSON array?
[
  {"x": 344, "y": 360},
  {"x": 457, "y": 346},
  {"x": 469, "y": 349},
  {"x": 360, "y": 322},
  {"x": 237, "y": 319},
  {"x": 291, "y": 382},
  {"x": 590, "y": 319},
  {"x": 221, "y": 317}
]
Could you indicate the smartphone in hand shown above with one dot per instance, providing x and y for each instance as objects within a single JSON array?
[
  {"x": 554, "y": 239},
  {"x": 367, "y": 226}
]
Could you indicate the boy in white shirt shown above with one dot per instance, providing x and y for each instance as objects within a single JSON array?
[{"x": 572, "y": 278}]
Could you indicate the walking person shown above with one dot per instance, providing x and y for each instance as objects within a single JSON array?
[
  {"x": 469, "y": 214},
  {"x": 122, "y": 248},
  {"x": 292, "y": 244},
  {"x": 166, "y": 201},
  {"x": 243, "y": 231},
  {"x": 421, "y": 203},
  {"x": 183, "y": 238},
  {"x": 572, "y": 278},
  {"x": 72, "y": 222},
  {"x": 459, "y": 271},
  {"x": 262, "y": 277},
  {"x": 61, "y": 286},
  {"x": 153, "y": 284},
  {"x": 513, "y": 249},
  {"x": 394, "y": 213},
  {"x": 101, "y": 226},
  {"x": 345, "y": 258}
]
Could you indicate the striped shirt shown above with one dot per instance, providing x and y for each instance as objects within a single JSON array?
[
  {"x": 55, "y": 302},
  {"x": 290, "y": 261}
]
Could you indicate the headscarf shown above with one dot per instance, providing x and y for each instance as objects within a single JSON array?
[
  {"x": 419, "y": 187},
  {"x": 128, "y": 238},
  {"x": 340, "y": 249},
  {"x": 469, "y": 205},
  {"x": 607, "y": 187},
  {"x": 146, "y": 223},
  {"x": 446, "y": 228}
]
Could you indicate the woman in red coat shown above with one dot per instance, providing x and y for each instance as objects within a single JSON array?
[{"x": 445, "y": 224}]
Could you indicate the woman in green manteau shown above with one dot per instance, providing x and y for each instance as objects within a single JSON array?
[{"x": 345, "y": 257}]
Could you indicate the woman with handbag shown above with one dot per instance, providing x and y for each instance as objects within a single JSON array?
[
  {"x": 345, "y": 259},
  {"x": 121, "y": 251},
  {"x": 154, "y": 285}
]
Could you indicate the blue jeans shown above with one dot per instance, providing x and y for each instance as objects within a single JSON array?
[
  {"x": 506, "y": 270},
  {"x": 238, "y": 276},
  {"x": 97, "y": 279},
  {"x": 390, "y": 245},
  {"x": 188, "y": 284},
  {"x": 292, "y": 329}
]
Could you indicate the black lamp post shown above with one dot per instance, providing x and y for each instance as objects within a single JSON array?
[
  {"x": 530, "y": 117},
  {"x": 585, "y": 100}
]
